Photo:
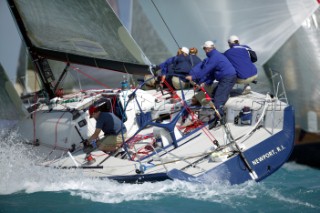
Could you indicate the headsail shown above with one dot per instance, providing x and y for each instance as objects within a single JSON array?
[
  {"x": 272, "y": 28},
  {"x": 299, "y": 62},
  {"x": 82, "y": 32},
  {"x": 263, "y": 25}
]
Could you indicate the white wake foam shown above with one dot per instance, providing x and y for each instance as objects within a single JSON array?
[{"x": 19, "y": 173}]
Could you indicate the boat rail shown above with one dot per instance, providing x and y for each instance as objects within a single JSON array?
[{"x": 278, "y": 86}]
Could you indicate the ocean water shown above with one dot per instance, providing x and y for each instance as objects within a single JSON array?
[{"x": 25, "y": 187}]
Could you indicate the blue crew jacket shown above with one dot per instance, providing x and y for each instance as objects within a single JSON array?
[
  {"x": 166, "y": 65},
  {"x": 194, "y": 59},
  {"x": 110, "y": 124},
  {"x": 182, "y": 65},
  {"x": 215, "y": 67},
  {"x": 239, "y": 57},
  {"x": 179, "y": 65}
]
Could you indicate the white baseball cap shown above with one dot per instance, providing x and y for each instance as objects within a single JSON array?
[
  {"x": 208, "y": 44},
  {"x": 233, "y": 38},
  {"x": 185, "y": 50}
]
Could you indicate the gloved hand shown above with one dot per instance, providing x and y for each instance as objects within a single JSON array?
[
  {"x": 89, "y": 146},
  {"x": 93, "y": 143}
]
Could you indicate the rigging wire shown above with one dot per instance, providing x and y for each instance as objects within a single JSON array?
[{"x": 165, "y": 23}]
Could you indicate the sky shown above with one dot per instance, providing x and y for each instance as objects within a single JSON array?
[{"x": 10, "y": 41}]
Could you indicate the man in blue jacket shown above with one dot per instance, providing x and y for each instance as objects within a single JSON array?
[
  {"x": 176, "y": 68},
  {"x": 113, "y": 128},
  {"x": 242, "y": 58},
  {"x": 181, "y": 67},
  {"x": 215, "y": 67}
]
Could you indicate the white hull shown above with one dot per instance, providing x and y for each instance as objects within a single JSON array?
[{"x": 195, "y": 156}]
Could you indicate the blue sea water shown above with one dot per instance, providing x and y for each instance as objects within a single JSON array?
[{"x": 25, "y": 187}]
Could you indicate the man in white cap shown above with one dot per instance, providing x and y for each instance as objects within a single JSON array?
[
  {"x": 181, "y": 68},
  {"x": 178, "y": 65},
  {"x": 215, "y": 67},
  {"x": 242, "y": 58}
]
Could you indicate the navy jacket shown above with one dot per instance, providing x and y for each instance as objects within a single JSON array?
[
  {"x": 239, "y": 57},
  {"x": 165, "y": 66},
  {"x": 215, "y": 67},
  {"x": 181, "y": 65},
  {"x": 109, "y": 123},
  {"x": 194, "y": 59}
]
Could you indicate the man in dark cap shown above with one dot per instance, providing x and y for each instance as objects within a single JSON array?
[{"x": 112, "y": 127}]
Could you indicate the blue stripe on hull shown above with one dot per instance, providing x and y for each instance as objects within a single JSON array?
[{"x": 140, "y": 178}]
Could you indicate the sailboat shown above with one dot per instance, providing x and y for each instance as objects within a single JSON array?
[{"x": 74, "y": 45}]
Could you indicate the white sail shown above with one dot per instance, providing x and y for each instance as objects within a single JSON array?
[
  {"x": 264, "y": 25},
  {"x": 282, "y": 32},
  {"x": 299, "y": 62}
]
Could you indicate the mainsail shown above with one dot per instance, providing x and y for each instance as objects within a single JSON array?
[{"x": 82, "y": 32}]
